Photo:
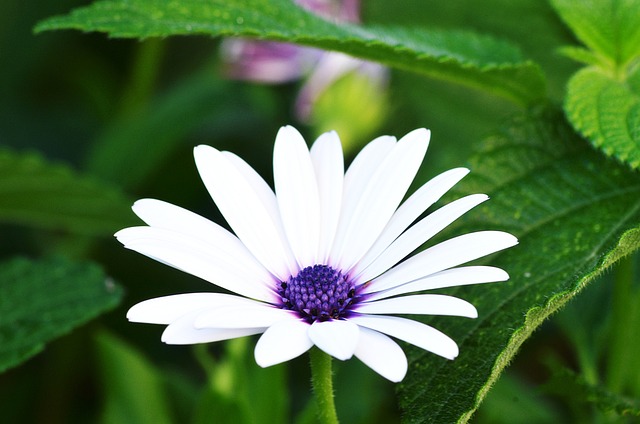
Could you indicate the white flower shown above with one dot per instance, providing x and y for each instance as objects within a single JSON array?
[{"x": 320, "y": 261}]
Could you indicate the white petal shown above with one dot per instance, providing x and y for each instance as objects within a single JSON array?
[
  {"x": 414, "y": 332},
  {"x": 268, "y": 199},
  {"x": 159, "y": 214},
  {"x": 326, "y": 155},
  {"x": 243, "y": 207},
  {"x": 381, "y": 354},
  {"x": 167, "y": 309},
  {"x": 447, "y": 254},
  {"x": 419, "y": 233},
  {"x": 338, "y": 338},
  {"x": 425, "y": 304},
  {"x": 356, "y": 178},
  {"x": 242, "y": 316},
  {"x": 183, "y": 332},
  {"x": 382, "y": 195},
  {"x": 410, "y": 210},
  {"x": 297, "y": 195},
  {"x": 448, "y": 278},
  {"x": 197, "y": 257},
  {"x": 281, "y": 342}
]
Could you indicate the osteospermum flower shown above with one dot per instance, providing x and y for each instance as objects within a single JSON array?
[{"x": 322, "y": 260}]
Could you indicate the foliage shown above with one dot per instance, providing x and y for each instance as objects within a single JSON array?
[
  {"x": 603, "y": 100},
  {"x": 134, "y": 390},
  {"x": 89, "y": 123},
  {"x": 44, "y": 300},
  {"x": 566, "y": 383},
  {"x": 36, "y": 193},
  {"x": 464, "y": 57},
  {"x": 574, "y": 216}
]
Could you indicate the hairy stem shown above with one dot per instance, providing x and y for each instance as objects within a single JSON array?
[{"x": 322, "y": 381}]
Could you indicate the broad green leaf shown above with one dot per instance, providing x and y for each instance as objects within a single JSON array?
[
  {"x": 462, "y": 57},
  {"x": 134, "y": 390},
  {"x": 42, "y": 300},
  {"x": 538, "y": 35},
  {"x": 575, "y": 214},
  {"x": 607, "y": 112},
  {"x": 41, "y": 194},
  {"x": 611, "y": 28}
]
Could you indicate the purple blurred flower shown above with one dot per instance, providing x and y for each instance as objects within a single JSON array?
[
  {"x": 275, "y": 63},
  {"x": 267, "y": 61}
]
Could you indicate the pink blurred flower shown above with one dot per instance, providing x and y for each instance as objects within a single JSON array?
[{"x": 274, "y": 63}]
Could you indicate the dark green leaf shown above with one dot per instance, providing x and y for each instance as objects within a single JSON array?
[
  {"x": 463, "y": 57},
  {"x": 575, "y": 214},
  {"x": 606, "y": 111},
  {"x": 512, "y": 401},
  {"x": 43, "y": 300},
  {"x": 132, "y": 147},
  {"x": 41, "y": 194},
  {"x": 134, "y": 390},
  {"x": 569, "y": 385},
  {"x": 239, "y": 391}
]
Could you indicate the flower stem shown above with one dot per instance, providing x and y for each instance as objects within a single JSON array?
[{"x": 322, "y": 381}]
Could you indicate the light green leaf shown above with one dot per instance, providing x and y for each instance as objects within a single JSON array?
[
  {"x": 462, "y": 57},
  {"x": 134, "y": 390},
  {"x": 575, "y": 214},
  {"x": 41, "y": 194},
  {"x": 602, "y": 100},
  {"x": 611, "y": 28},
  {"x": 580, "y": 54},
  {"x": 40, "y": 301},
  {"x": 607, "y": 112}
]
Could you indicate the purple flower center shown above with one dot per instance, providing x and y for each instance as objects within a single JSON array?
[{"x": 318, "y": 293}]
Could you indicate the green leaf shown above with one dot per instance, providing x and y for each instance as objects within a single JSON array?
[
  {"x": 574, "y": 387},
  {"x": 580, "y": 55},
  {"x": 575, "y": 214},
  {"x": 41, "y": 194},
  {"x": 43, "y": 300},
  {"x": 512, "y": 401},
  {"x": 131, "y": 148},
  {"x": 607, "y": 112},
  {"x": 238, "y": 390},
  {"x": 134, "y": 389},
  {"x": 611, "y": 28},
  {"x": 602, "y": 100},
  {"x": 462, "y": 57}
]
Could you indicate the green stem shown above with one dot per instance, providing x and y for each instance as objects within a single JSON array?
[
  {"x": 144, "y": 74},
  {"x": 322, "y": 381},
  {"x": 621, "y": 348}
]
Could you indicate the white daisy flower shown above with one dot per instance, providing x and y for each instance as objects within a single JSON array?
[{"x": 320, "y": 261}]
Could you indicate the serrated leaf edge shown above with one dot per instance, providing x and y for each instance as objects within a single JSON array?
[{"x": 535, "y": 316}]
